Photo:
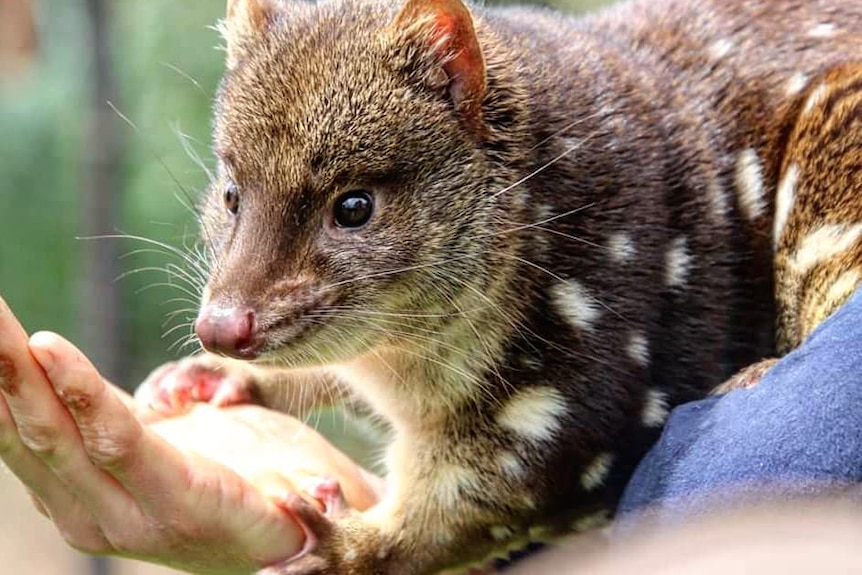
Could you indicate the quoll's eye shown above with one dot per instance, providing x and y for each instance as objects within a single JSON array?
[
  {"x": 231, "y": 198},
  {"x": 353, "y": 209}
]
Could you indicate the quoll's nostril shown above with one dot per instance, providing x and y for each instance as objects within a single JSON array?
[{"x": 228, "y": 330}]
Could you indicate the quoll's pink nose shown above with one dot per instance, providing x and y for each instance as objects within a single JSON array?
[{"x": 228, "y": 330}]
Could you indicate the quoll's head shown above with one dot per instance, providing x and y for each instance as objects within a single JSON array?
[{"x": 357, "y": 153}]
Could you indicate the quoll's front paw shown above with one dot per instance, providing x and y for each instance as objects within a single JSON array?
[
  {"x": 337, "y": 540},
  {"x": 175, "y": 386}
]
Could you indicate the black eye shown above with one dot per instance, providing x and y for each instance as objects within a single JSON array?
[
  {"x": 353, "y": 209},
  {"x": 231, "y": 198}
]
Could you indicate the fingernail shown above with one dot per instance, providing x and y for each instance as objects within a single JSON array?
[
  {"x": 41, "y": 351},
  {"x": 46, "y": 360}
]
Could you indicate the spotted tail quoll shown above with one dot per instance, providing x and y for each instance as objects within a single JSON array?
[{"x": 519, "y": 238}]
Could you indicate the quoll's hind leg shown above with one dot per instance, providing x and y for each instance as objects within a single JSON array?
[
  {"x": 817, "y": 227},
  {"x": 447, "y": 506},
  {"x": 818, "y": 207},
  {"x": 403, "y": 535}
]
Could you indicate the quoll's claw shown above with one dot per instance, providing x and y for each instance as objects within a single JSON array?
[
  {"x": 338, "y": 541},
  {"x": 327, "y": 490},
  {"x": 318, "y": 529},
  {"x": 310, "y": 517},
  {"x": 175, "y": 387}
]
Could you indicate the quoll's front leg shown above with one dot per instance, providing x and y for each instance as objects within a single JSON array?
[
  {"x": 352, "y": 544},
  {"x": 208, "y": 378},
  {"x": 448, "y": 505},
  {"x": 437, "y": 514}
]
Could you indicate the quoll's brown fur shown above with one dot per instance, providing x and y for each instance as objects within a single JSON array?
[{"x": 574, "y": 229}]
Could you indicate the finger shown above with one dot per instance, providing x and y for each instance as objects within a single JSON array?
[
  {"x": 48, "y": 432},
  {"x": 45, "y": 427},
  {"x": 123, "y": 396},
  {"x": 149, "y": 468},
  {"x": 142, "y": 412},
  {"x": 26, "y": 466},
  {"x": 37, "y": 503},
  {"x": 50, "y": 496}
]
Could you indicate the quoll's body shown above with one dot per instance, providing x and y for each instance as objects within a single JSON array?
[{"x": 521, "y": 238}]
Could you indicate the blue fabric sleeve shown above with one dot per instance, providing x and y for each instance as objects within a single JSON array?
[{"x": 798, "y": 432}]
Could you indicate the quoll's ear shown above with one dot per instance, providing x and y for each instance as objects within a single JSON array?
[
  {"x": 244, "y": 21},
  {"x": 447, "y": 27}
]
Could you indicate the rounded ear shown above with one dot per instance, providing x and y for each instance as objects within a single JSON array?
[
  {"x": 244, "y": 21},
  {"x": 446, "y": 28}
]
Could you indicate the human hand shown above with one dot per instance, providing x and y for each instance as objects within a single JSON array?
[{"x": 114, "y": 486}]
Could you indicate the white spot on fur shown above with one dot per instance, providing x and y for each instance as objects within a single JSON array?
[
  {"x": 718, "y": 200},
  {"x": 597, "y": 471},
  {"x": 451, "y": 481},
  {"x": 511, "y": 465},
  {"x": 749, "y": 182},
  {"x": 543, "y": 212},
  {"x": 534, "y": 413},
  {"x": 527, "y": 361},
  {"x": 443, "y": 537},
  {"x": 621, "y": 247},
  {"x": 816, "y": 97},
  {"x": 824, "y": 30},
  {"x": 572, "y": 144},
  {"x": 590, "y": 522},
  {"x": 677, "y": 263},
  {"x": 784, "y": 200},
  {"x": 824, "y": 243},
  {"x": 796, "y": 84},
  {"x": 575, "y": 304},
  {"x": 655, "y": 409},
  {"x": 720, "y": 49},
  {"x": 501, "y": 532},
  {"x": 843, "y": 285},
  {"x": 350, "y": 555},
  {"x": 638, "y": 348}
]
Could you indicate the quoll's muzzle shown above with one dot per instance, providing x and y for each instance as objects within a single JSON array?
[{"x": 229, "y": 330}]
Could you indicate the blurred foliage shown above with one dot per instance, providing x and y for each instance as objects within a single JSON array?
[{"x": 167, "y": 67}]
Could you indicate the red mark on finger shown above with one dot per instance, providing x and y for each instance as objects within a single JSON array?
[
  {"x": 76, "y": 401},
  {"x": 8, "y": 376}
]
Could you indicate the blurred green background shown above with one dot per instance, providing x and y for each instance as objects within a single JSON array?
[
  {"x": 165, "y": 68},
  {"x": 104, "y": 130}
]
